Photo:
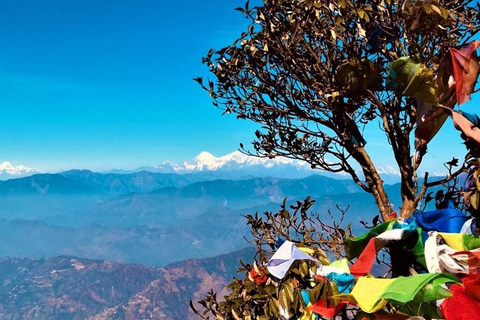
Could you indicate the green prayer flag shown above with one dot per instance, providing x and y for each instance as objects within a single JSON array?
[
  {"x": 409, "y": 77},
  {"x": 372, "y": 294},
  {"x": 355, "y": 246}
]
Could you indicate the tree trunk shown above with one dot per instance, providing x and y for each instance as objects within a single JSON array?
[
  {"x": 408, "y": 179},
  {"x": 374, "y": 181}
]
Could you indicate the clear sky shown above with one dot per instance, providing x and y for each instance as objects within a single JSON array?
[{"x": 108, "y": 84}]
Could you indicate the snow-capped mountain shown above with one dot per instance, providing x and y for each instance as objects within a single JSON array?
[
  {"x": 388, "y": 170},
  {"x": 238, "y": 165},
  {"x": 205, "y": 161},
  {"x": 9, "y": 171}
]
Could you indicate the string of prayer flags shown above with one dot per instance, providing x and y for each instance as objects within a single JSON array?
[
  {"x": 444, "y": 255},
  {"x": 366, "y": 259},
  {"x": 372, "y": 294},
  {"x": 366, "y": 246},
  {"x": 355, "y": 246}
]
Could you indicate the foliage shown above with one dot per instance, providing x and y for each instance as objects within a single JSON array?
[
  {"x": 300, "y": 226},
  {"x": 262, "y": 298}
]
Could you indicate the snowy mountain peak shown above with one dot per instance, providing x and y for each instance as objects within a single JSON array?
[
  {"x": 240, "y": 157},
  {"x": 236, "y": 156},
  {"x": 11, "y": 169},
  {"x": 5, "y": 165},
  {"x": 204, "y": 161},
  {"x": 234, "y": 162},
  {"x": 8, "y": 170},
  {"x": 204, "y": 156},
  {"x": 388, "y": 170}
]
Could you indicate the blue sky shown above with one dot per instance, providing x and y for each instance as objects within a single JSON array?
[
  {"x": 108, "y": 84},
  {"x": 103, "y": 84}
]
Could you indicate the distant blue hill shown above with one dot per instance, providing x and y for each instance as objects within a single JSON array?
[
  {"x": 42, "y": 184},
  {"x": 155, "y": 218}
]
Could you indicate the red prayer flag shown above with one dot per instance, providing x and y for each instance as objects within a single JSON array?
[
  {"x": 460, "y": 306},
  {"x": 465, "y": 69},
  {"x": 472, "y": 287},
  {"x": 325, "y": 308},
  {"x": 365, "y": 260}
]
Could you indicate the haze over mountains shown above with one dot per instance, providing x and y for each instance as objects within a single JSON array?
[
  {"x": 234, "y": 165},
  {"x": 151, "y": 218},
  {"x": 148, "y": 218},
  {"x": 155, "y": 218}
]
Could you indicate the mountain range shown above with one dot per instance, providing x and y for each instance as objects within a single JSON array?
[
  {"x": 235, "y": 165},
  {"x": 155, "y": 218},
  {"x": 94, "y": 215},
  {"x": 87, "y": 245}
]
